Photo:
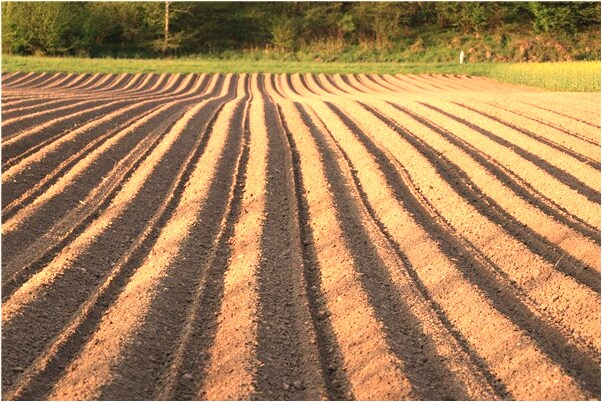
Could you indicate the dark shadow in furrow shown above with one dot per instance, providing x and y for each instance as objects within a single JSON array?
[
  {"x": 323, "y": 86},
  {"x": 44, "y": 219},
  {"x": 30, "y": 123},
  {"x": 545, "y": 123},
  {"x": 280, "y": 277},
  {"x": 480, "y": 364},
  {"x": 203, "y": 334},
  {"x": 528, "y": 133},
  {"x": 381, "y": 85},
  {"x": 429, "y": 377},
  {"x": 74, "y": 83},
  {"x": 45, "y": 317},
  {"x": 98, "y": 141},
  {"x": 6, "y": 81},
  {"x": 290, "y": 84},
  {"x": 130, "y": 88},
  {"x": 318, "y": 83},
  {"x": 122, "y": 84},
  {"x": 91, "y": 82},
  {"x": 561, "y": 114},
  {"x": 488, "y": 207},
  {"x": 334, "y": 84},
  {"x": 348, "y": 82},
  {"x": 520, "y": 188},
  {"x": 48, "y": 81},
  {"x": 479, "y": 271},
  {"x": 304, "y": 83},
  {"x": 33, "y": 80},
  {"x": 106, "y": 84},
  {"x": 38, "y": 105},
  {"x": 145, "y": 361},
  {"x": 24, "y": 179},
  {"x": 554, "y": 171},
  {"x": 149, "y": 84},
  {"x": 172, "y": 88},
  {"x": 337, "y": 384}
]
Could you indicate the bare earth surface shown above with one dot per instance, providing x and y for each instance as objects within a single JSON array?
[{"x": 298, "y": 237}]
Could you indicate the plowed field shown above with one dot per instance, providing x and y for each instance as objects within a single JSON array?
[{"x": 298, "y": 237}]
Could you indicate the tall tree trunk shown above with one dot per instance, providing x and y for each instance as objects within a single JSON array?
[{"x": 166, "y": 37}]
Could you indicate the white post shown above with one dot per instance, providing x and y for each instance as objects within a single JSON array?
[{"x": 461, "y": 56}]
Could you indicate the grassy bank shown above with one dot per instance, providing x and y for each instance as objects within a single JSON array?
[{"x": 565, "y": 76}]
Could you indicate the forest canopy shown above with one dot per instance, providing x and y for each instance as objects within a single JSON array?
[{"x": 326, "y": 30}]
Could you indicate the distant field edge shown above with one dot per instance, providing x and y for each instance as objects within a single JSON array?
[{"x": 581, "y": 76}]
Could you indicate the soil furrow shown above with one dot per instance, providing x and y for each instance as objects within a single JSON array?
[
  {"x": 574, "y": 361},
  {"x": 362, "y": 343},
  {"x": 550, "y": 123},
  {"x": 113, "y": 243},
  {"x": 579, "y": 156},
  {"x": 289, "y": 366},
  {"x": 583, "y": 180},
  {"x": 62, "y": 348},
  {"x": 120, "y": 202},
  {"x": 71, "y": 224},
  {"x": 72, "y": 167},
  {"x": 559, "y": 310},
  {"x": 377, "y": 264},
  {"x": 190, "y": 354},
  {"x": 546, "y": 184},
  {"x": 516, "y": 184},
  {"x": 35, "y": 167}
]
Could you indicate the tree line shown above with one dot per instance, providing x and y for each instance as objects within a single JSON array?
[{"x": 150, "y": 29}]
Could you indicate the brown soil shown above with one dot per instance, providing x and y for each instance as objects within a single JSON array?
[{"x": 298, "y": 237}]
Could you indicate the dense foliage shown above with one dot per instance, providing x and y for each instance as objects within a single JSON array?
[{"x": 324, "y": 30}]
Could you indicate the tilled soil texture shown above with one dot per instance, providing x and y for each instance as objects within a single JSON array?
[{"x": 298, "y": 237}]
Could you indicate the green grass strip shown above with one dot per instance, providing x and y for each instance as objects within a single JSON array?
[{"x": 566, "y": 76}]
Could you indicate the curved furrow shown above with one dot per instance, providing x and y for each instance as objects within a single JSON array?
[
  {"x": 36, "y": 106},
  {"x": 411, "y": 85},
  {"x": 106, "y": 80},
  {"x": 52, "y": 78},
  {"x": 584, "y": 118},
  {"x": 583, "y": 152},
  {"x": 569, "y": 303},
  {"x": 22, "y": 172},
  {"x": 200, "y": 273},
  {"x": 321, "y": 80},
  {"x": 15, "y": 209},
  {"x": 505, "y": 368},
  {"x": 18, "y": 81},
  {"x": 560, "y": 305},
  {"x": 32, "y": 149},
  {"x": 124, "y": 97},
  {"x": 7, "y": 78},
  {"x": 53, "y": 235},
  {"x": 520, "y": 187},
  {"x": 428, "y": 356},
  {"x": 167, "y": 170},
  {"x": 125, "y": 316},
  {"x": 588, "y": 135},
  {"x": 379, "y": 80},
  {"x": 563, "y": 167},
  {"x": 130, "y": 188},
  {"x": 331, "y": 86},
  {"x": 55, "y": 111},
  {"x": 33, "y": 79},
  {"x": 548, "y": 185},
  {"x": 509, "y": 208},
  {"x": 369, "y": 368}
]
